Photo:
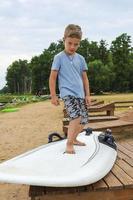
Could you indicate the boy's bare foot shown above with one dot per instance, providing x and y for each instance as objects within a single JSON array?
[
  {"x": 69, "y": 148},
  {"x": 77, "y": 142}
]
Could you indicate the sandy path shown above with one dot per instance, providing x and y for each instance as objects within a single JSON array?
[{"x": 24, "y": 130}]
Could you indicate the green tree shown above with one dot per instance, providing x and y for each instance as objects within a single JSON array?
[
  {"x": 19, "y": 77},
  {"x": 121, "y": 50},
  {"x": 100, "y": 76},
  {"x": 131, "y": 71},
  {"x": 103, "y": 52},
  {"x": 84, "y": 49},
  {"x": 41, "y": 66},
  {"x": 108, "y": 69},
  {"x": 93, "y": 51}
]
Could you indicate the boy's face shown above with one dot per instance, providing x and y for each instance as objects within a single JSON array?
[{"x": 71, "y": 45}]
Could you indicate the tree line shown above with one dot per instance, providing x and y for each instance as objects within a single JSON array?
[{"x": 110, "y": 69}]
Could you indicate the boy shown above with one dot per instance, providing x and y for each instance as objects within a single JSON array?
[{"x": 73, "y": 85}]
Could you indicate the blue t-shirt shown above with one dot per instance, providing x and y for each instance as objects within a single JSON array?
[{"x": 70, "y": 70}]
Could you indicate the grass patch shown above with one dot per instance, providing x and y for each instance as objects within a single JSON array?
[
  {"x": 114, "y": 97},
  {"x": 11, "y": 101}
]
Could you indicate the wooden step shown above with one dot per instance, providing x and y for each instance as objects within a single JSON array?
[
  {"x": 94, "y": 119},
  {"x": 117, "y": 126}
]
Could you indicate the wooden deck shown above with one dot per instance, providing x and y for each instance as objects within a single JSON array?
[
  {"x": 117, "y": 185},
  {"x": 117, "y": 126},
  {"x": 93, "y": 119}
]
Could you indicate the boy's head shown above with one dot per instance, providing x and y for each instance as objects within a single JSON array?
[
  {"x": 73, "y": 31},
  {"x": 72, "y": 38}
]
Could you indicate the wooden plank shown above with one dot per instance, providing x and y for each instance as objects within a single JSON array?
[
  {"x": 125, "y": 179},
  {"x": 102, "y": 118},
  {"x": 125, "y": 194},
  {"x": 126, "y": 151},
  {"x": 130, "y": 141},
  {"x": 112, "y": 181},
  {"x": 58, "y": 190},
  {"x": 100, "y": 185},
  {"x": 124, "y": 157},
  {"x": 125, "y": 167},
  {"x": 95, "y": 103},
  {"x": 115, "y": 125},
  {"x": 65, "y": 121},
  {"x": 36, "y": 191},
  {"x": 126, "y": 101},
  {"x": 102, "y": 107},
  {"x": 122, "y": 106},
  {"x": 109, "y": 108},
  {"x": 89, "y": 187},
  {"x": 65, "y": 190},
  {"x": 42, "y": 190},
  {"x": 126, "y": 145},
  {"x": 86, "y": 188}
]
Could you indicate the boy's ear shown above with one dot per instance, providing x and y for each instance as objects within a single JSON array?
[{"x": 63, "y": 40}]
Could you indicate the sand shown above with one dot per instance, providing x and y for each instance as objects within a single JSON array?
[{"x": 24, "y": 130}]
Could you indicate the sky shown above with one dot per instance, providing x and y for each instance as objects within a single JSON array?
[{"x": 27, "y": 27}]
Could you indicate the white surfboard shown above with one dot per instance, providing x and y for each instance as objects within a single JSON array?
[{"x": 48, "y": 165}]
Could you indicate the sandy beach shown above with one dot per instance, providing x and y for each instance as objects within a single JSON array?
[{"x": 24, "y": 130}]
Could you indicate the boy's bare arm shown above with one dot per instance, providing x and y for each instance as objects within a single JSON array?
[
  {"x": 52, "y": 87},
  {"x": 86, "y": 88}
]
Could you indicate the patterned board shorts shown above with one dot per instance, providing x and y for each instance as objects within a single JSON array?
[{"x": 76, "y": 107}]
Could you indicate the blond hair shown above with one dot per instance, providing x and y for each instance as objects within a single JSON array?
[{"x": 73, "y": 31}]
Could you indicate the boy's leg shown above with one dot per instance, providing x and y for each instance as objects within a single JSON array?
[
  {"x": 72, "y": 130},
  {"x": 73, "y": 111},
  {"x": 84, "y": 120},
  {"x": 78, "y": 130}
]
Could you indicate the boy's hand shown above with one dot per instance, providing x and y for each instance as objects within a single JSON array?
[
  {"x": 88, "y": 101},
  {"x": 55, "y": 100}
]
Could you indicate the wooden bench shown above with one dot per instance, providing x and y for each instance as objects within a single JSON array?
[
  {"x": 123, "y": 104},
  {"x": 117, "y": 126},
  {"x": 95, "y": 103},
  {"x": 108, "y": 108},
  {"x": 117, "y": 185},
  {"x": 65, "y": 121}
]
